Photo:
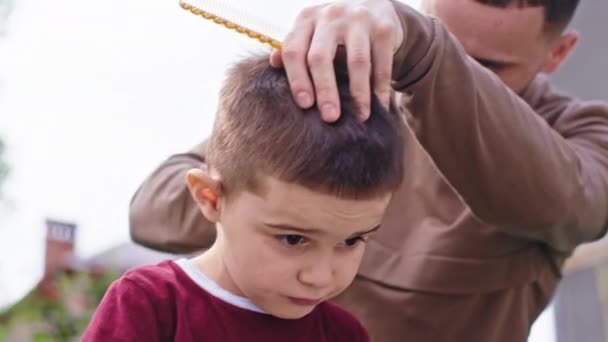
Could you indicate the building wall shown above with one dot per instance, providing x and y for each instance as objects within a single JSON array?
[
  {"x": 581, "y": 302},
  {"x": 585, "y": 74},
  {"x": 578, "y": 307}
]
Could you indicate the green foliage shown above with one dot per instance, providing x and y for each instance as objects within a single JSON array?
[{"x": 63, "y": 319}]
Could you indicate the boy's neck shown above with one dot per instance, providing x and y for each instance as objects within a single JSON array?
[{"x": 211, "y": 263}]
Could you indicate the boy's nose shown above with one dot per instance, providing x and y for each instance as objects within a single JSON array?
[{"x": 319, "y": 275}]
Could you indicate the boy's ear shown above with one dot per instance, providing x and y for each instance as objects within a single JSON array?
[{"x": 206, "y": 191}]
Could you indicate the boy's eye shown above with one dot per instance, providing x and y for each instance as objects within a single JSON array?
[
  {"x": 353, "y": 241},
  {"x": 292, "y": 240}
]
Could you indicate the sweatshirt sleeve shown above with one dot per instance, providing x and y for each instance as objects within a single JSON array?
[
  {"x": 124, "y": 314},
  {"x": 535, "y": 170},
  {"x": 162, "y": 214}
]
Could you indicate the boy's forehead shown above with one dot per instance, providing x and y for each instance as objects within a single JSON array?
[
  {"x": 297, "y": 206},
  {"x": 281, "y": 192}
]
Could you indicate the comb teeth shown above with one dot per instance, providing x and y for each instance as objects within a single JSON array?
[{"x": 222, "y": 14}]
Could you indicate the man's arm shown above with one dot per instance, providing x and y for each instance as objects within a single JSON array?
[
  {"x": 163, "y": 215},
  {"x": 538, "y": 173}
]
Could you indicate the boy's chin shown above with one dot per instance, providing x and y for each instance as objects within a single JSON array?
[{"x": 291, "y": 311}]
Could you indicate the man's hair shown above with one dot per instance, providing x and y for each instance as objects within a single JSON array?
[
  {"x": 259, "y": 131},
  {"x": 558, "y": 13}
]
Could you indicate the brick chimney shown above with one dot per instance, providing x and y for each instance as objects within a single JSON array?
[{"x": 60, "y": 236}]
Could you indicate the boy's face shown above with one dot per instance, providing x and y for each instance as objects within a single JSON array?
[{"x": 291, "y": 248}]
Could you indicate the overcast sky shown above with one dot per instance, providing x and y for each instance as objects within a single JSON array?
[{"x": 92, "y": 98}]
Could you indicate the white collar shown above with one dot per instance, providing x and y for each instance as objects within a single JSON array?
[{"x": 214, "y": 288}]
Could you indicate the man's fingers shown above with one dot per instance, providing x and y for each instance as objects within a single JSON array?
[
  {"x": 370, "y": 32},
  {"x": 294, "y": 58},
  {"x": 275, "y": 59},
  {"x": 359, "y": 61},
  {"x": 320, "y": 59},
  {"x": 382, "y": 56}
]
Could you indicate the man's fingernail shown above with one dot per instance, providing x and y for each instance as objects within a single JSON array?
[
  {"x": 304, "y": 100},
  {"x": 365, "y": 110},
  {"x": 386, "y": 99},
  {"x": 329, "y": 111}
]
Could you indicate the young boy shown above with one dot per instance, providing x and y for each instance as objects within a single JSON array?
[{"x": 294, "y": 200}]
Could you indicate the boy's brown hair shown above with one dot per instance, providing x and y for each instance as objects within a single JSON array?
[{"x": 260, "y": 131}]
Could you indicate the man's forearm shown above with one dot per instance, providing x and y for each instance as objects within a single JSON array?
[
  {"x": 509, "y": 165},
  {"x": 162, "y": 213}
]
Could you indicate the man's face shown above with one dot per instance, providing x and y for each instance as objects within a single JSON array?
[
  {"x": 508, "y": 41},
  {"x": 291, "y": 248}
]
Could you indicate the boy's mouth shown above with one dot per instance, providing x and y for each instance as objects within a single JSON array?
[{"x": 304, "y": 301}]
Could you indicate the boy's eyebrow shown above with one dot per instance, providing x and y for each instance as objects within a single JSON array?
[{"x": 315, "y": 230}]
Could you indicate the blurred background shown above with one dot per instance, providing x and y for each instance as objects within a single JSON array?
[{"x": 94, "y": 96}]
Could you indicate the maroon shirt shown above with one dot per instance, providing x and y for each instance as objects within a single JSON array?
[{"x": 163, "y": 303}]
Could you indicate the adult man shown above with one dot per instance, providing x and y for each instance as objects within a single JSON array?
[{"x": 505, "y": 175}]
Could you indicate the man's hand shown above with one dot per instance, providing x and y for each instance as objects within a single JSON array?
[{"x": 370, "y": 32}]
